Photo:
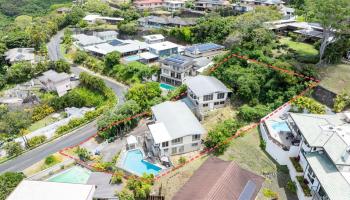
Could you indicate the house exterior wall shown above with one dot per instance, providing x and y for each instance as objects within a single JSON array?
[
  {"x": 188, "y": 144},
  {"x": 171, "y": 6},
  {"x": 203, "y": 105},
  {"x": 203, "y": 54},
  {"x": 165, "y": 52},
  {"x": 151, "y": 6},
  {"x": 171, "y": 76}
]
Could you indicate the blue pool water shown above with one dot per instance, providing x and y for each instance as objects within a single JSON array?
[
  {"x": 134, "y": 163},
  {"x": 166, "y": 86},
  {"x": 280, "y": 126},
  {"x": 132, "y": 58},
  {"x": 73, "y": 175}
]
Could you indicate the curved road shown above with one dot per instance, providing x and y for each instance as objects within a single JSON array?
[{"x": 29, "y": 158}]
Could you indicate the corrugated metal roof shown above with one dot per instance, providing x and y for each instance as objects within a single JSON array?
[{"x": 202, "y": 85}]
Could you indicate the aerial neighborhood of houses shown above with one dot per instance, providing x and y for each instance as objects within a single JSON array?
[{"x": 176, "y": 99}]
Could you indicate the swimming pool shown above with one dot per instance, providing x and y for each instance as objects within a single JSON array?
[
  {"x": 73, "y": 175},
  {"x": 166, "y": 86},
  {"x": 280, "y": 126},
  {"x": 134, "y": 163},
  {"x": 132, "y": 58}
]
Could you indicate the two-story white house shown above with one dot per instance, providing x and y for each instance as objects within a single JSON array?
[
  {"x": 175, "y": 130},
  {"x": 174, "y": 69},
  {"x": 152, "y": 39},
  {"x": 207, "y": 93},
  {"x": 58, "y": 82},
  {"x": 319, "y": 145}
]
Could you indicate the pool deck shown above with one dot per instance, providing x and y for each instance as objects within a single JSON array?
[{"x": 280, "y": 137}]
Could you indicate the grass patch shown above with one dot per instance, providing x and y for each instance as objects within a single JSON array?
[
  {"x": 335, "y": 77},
  {"x": 42, "y": 123},
  {"x": 302, "y": 49},
  {"x": 41, "y": 165},
  {"x": 217, "y": 116}
]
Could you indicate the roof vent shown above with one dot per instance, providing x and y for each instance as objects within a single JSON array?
[{"x": 330, "y": 127}]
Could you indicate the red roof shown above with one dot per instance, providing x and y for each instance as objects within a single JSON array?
[
  {"x": 148, "y": 1},
  {"x": 217, "y": 179}
]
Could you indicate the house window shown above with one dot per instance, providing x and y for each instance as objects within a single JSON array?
[
  {"x": 181, "y": 149},
  {"x": 311, "y": 175},
  {"x": 208, "y": 97},
  {"x": 221, "y": 95},
  {"x": 196, "y": 137},
  {"x": 194, "y": 144},
  {"x": 165, "y": 144},
  {"x": 222, "y": 102},
  {"x": 165, "y": 71},
  {"x": 205, "y": 105},
  {"x": 166, "y": 150},
  {"x": 216, "y": 103},
  {"x": 176, "y": 141},
  {"x": 174, "y": 150}
]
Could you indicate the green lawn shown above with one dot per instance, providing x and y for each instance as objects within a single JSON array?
[
  {"x": 246, "y": 152},
  {"x": 302, "y": 49},
  {"x": 42, "y": 123},
  {"x": 335, "y": 77}
]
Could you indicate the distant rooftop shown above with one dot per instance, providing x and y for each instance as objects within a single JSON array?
[
  {"x": 202, "y": 85},
  {"x": 177, "y": 60},
  {"x": 42, "y": 190},
  {"x": 203, "y": 48},
  {"x": 95, "y": 17},
  {"x": 217, "y": 179},
  {"x": 86, "y": 40},
  {"x": 163, "y": 45},
  {"x": 20, "y": 54},
  {"x": 53, "y": 76},
  {"x": 153, "y": 37}
]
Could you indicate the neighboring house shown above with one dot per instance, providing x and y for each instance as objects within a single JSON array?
[
  {"x": 165, "y": 48},
  {"x": 162, "y": 21},
  {"x": 287, "y": 12},
  {"x": 81, "y": 40},
  {"x": 172, "y": 6},
  {"x": 106, "y": 35},
  {"x": 207, "y": 93},
  {"x": 148, "y": 4},
  {"x": 320, "y": 144},
  {"x": 263, "y": 2},
  {"x": 175, "y": 130},
  {"x": 211, "y": 4},
  {"x": 242, "y": 8},
  {"x": 42, "y": 190},
  {"x": 58, "y": 82},
  {"x": 202, "y": 63},
  {"x": 124, "y": 47},
  {"x": 217, "y": 179},
  {"x": 151, "y": 39},
  {"x": 174, "y": 69},
  {"x": 92, "y": 19},
  {"x": 63, "y": 10},
  {"x": 203, "y": 50},
  {"x": 20, "y": 54}
]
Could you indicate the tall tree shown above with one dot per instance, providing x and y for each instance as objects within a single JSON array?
[{"x": 333, "y": 15}]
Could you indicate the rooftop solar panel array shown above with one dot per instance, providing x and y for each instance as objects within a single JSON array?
[
  {"x": 204, "y": 47},
  {"x": 176, "y": 59},
  {"x": 115, "y": 42}
]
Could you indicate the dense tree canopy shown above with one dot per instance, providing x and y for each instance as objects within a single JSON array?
[{"x": 8, "y": 182}]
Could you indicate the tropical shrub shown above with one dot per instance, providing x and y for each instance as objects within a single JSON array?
[
  {"x": 310, "y": 105},
  {"x": 36, "y": 140},
  {"x": 40, "y": 112},
  {"x": 83, "y": 153},
  {"x": 13, "y": 149},
  {"x": 341, "y": 101}
]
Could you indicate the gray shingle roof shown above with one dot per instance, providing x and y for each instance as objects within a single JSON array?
[
  {"x": 177, "y": 118},
  {"x": 202, "y": 85}
]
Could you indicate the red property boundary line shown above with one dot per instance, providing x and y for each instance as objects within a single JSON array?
[{"x": 235, "y": 135}]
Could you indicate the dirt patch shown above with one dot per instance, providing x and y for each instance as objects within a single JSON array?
[{"x": 217, "y": 116}]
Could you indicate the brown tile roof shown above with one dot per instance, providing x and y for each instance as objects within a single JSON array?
[{"x": 217, "y": 179}]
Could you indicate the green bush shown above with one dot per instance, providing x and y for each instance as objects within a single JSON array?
[
  {"x": 117, "y": 177},
  {"x": 310, "y": 105},
  {"x": 182, "y": 160},
  {"x": 125, "y": 194},
  {"x": 36, "y": 140},
  {"x": 83, "y": 153},
  {"x": 8, "y": 182},
  {"x": 341, "y": 101},
  {"x": 269, "y": 193},
  {"x": 249, "y": 114},
  {"x": 50, "y": 160},
  {"x": 13, "y": 149},
  {"x": 304, "y": 186},
  {"x": 40, "y": 112},
  {"x": 291, "y": 186}
]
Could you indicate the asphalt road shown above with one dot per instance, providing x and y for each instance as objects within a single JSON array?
[{"x": 31, "y": 157}]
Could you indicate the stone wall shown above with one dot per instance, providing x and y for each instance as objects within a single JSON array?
[{"x": 324, "y": 96}]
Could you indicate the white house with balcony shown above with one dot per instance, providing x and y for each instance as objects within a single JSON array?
[
  {"x": 58, "y": 82},
  {"x": 175, "y": 130},
  {"x": 320, "y": 148},
  {"x": 207, "y": 93},
  {"x": 172, "y": 5}
]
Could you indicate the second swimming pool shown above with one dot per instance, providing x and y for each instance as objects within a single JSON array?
[{"x": 73, "y": 175}]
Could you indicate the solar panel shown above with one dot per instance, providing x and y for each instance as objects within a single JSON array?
[
  {"x": 204, "y": 47},
  {"x": 115, "y": 42},
  {"x": 248, "y": 191}
]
